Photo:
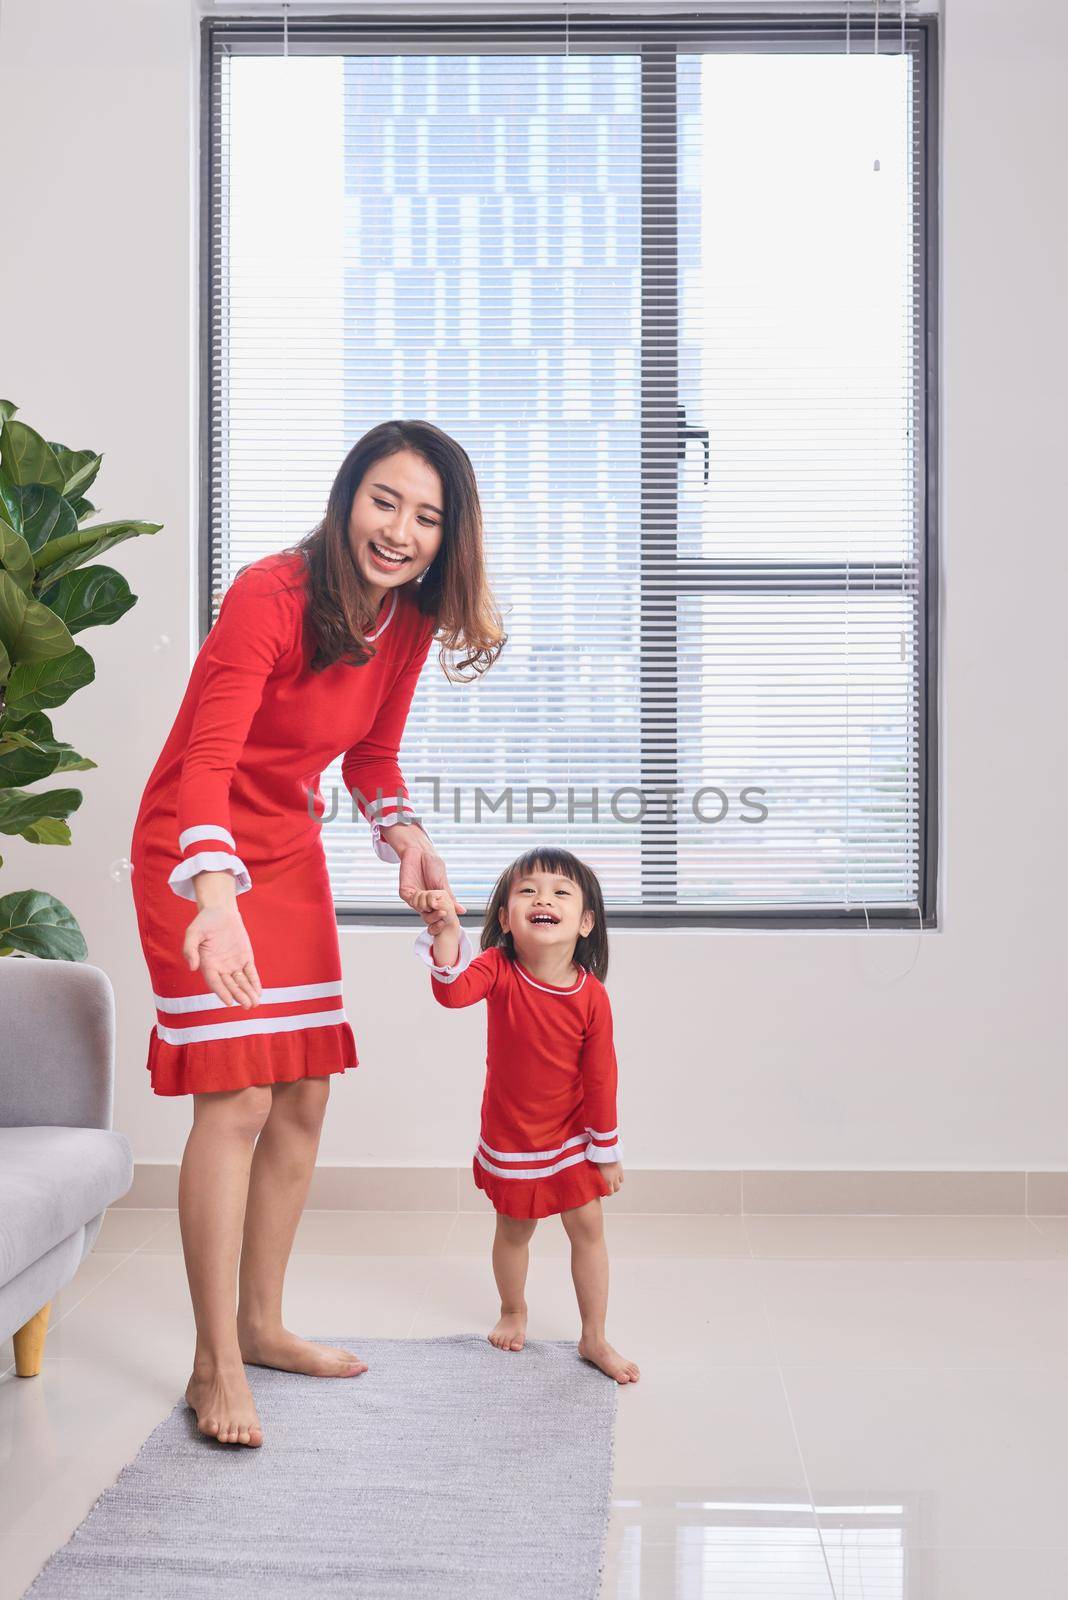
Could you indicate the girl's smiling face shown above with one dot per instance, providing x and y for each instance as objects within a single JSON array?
[
  {"x": 396, "y": 521},
  {"x": 545, "y": 911}
]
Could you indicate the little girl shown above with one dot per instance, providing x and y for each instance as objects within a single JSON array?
[{"x": 549, "y": 1143}]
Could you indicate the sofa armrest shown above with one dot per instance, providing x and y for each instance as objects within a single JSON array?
[{"x": 57, "y": 1044}]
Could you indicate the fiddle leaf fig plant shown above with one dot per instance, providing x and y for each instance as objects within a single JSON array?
[{"x": 47, "y": 594}]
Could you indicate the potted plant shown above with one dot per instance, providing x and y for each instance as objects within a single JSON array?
[{"x": 47, "y": 595}]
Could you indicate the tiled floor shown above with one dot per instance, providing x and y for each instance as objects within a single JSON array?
[{"x": 831, "y": 1408}]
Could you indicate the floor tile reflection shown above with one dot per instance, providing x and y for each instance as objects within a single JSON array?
[{"x": 830, "y": 1408}]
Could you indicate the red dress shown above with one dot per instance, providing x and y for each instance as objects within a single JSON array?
[
  {"x": 549, "y": 1105},
  {"x": 236, "y": 788}
]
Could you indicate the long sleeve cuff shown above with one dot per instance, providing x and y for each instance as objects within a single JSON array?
[
  {"x": 181, "y": 879},
  {"x": 604, "y": 1146},
  {"x": 424, "y": 951},
  {"x": 207, "y": 847},
  {"x": 384, "y": 819}
]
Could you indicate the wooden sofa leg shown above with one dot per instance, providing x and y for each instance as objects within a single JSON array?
[{"x": 29, "y": 1344}]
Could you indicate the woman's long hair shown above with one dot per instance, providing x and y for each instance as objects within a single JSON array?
[
  {"x": 591, "y": 950},
  {"x": 454, "y": 589}
]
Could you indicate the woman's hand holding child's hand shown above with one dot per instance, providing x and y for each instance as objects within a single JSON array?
[
  {"x": 438, "y": 910},
  {"x": 612, "y": 1171}
]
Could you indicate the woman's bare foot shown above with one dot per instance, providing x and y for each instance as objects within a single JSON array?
[
  {"x": 600, "y": 1352},
  {"x": 284, "y": 1350},
  {"x": 511, "y": 1332},
  {"x": 224, "y": 1407}
]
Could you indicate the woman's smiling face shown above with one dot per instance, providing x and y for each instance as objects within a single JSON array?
[{"x": 397, "y": 511}]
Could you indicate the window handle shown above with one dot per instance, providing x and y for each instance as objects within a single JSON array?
[{"x": 685, "y": 432}]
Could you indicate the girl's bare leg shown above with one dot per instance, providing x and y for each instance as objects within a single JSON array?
[
  {"x": 212, "y": 1194},
  {"x": 278, "y": 1187},
  {"x": 511, "y": 1258},
  {"x": 589, "y": 1269}
]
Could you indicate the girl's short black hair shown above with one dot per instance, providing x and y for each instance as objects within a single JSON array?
[{"x": 591, "y": 950}]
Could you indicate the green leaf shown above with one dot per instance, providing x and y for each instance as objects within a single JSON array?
[
  {"x": 40, "y": 925},
  {"x": 7, "y": 409},
  {"x": 34, "y": 733},
  {"x": 39, "y": 684},
  {"x": 89, "y": 598},
  {"x": 49, "y": 830},
  {"x": 19, "y": 809},
  {"x": 10, "y": 502},
  {"x": 71, "y": 761},
  {"x": 5, "y": 662},
  {"x": 79, "y": 468},
  {"x": 26, "y": 762},
  {"x": 82, "y": 507},
  {"x": 62, "y": 555},
  {"x": 34, "y": 724},
  {"x": 29, "y": 630},
  {"x": 27, "y": 457},
  {"x": 16, "y": 557},
  {"x": 44, "y": 515}
]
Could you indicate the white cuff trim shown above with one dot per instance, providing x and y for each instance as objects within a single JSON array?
[
  {"x": 378, "y": 810},
  {"x": 382, "y": 848},
  {"x": 181, "y": 878},
  {"x": 204, "y": 830},
  {"x": 599, "y": 1155},
  {"x": 424, "y": 951}
]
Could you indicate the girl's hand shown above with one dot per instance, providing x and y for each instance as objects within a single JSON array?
[
  {"x": 420, "y": 865},
  {"x": 613, "y": 1173},
  {"x": 217, "y": 946},
  {"x": 437, "y": 909}
]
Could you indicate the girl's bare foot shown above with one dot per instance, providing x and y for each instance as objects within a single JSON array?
[
  {"x": 224, "y": 1407},
  {"x": 284, "y": 1350},
  {"x": 600, "y": 1352},
  {"x": 511, "y": 1332}
]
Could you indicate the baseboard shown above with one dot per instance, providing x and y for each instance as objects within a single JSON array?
[{"x": 338, "y": 1188}]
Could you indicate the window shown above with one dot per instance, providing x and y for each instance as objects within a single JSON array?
[{"x": 671, "y": 284}]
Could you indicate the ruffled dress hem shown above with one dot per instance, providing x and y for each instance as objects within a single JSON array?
[
  {"x": 529, "y": 1198},
  {"x": 208, "y": 1066}
]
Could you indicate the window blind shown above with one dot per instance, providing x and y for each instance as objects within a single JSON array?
[{"x": 669, "y": 282}]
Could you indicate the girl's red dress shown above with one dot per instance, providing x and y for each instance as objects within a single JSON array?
[
  {"x": 549, "y": 1105},
  {"x": 236, "y": 788}
]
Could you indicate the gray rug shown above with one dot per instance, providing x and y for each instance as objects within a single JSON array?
[{"x": 448, "y": 1469}]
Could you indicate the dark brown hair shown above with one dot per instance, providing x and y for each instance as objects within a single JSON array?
[
  {"x": 591, "y": 949},
  {"x": 454, "y": 589}
]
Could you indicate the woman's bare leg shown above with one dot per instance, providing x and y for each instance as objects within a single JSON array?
[
  {"x": 589, "y": 1269},
  {"x": 511, "y": 1259},
  {"x": 278, "y": 1187},
  {"x": 212, "y": 1194}
]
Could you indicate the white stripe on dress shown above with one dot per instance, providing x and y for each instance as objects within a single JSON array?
[
  {"x": 238, "y": 1029},
  {"x": 375, "y": 810},
  {"x": 205, "y": 831},
  {"x": 533, "y": 1155},
  {"x": 595, "y": 1135},
  {"x": 538, "y": 1172},
  {"x": 268, "y": 997}
]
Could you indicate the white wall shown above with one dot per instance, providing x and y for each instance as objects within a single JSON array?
[{"x": 809, "y": 1049}]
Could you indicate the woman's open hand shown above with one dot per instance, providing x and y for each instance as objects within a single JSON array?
[{"x": 217, "y": 946}]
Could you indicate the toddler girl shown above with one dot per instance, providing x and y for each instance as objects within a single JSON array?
[{"x": 549, "y": 1143}]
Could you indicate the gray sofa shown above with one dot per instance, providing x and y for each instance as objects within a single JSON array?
[{"x": 60, "y": 1164}]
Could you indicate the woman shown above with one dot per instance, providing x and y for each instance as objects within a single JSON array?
[{"x": 316, "y": 651}]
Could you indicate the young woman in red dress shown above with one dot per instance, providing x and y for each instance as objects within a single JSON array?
[{"x": 315, "y": 653}]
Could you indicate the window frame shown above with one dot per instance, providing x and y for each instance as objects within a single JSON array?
[{"x": 664, "y": 430}]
